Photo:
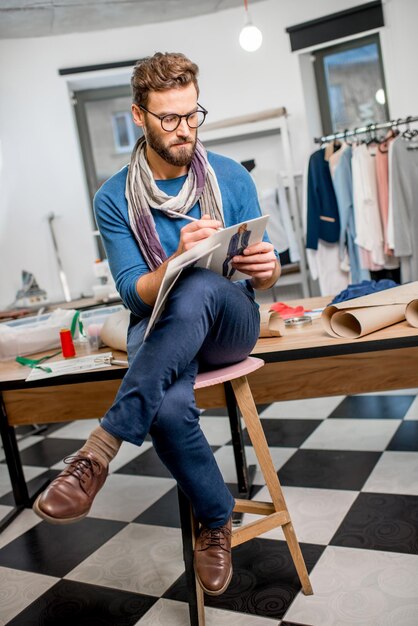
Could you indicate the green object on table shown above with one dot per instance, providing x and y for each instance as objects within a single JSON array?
[{"x": 36, "y": 363}]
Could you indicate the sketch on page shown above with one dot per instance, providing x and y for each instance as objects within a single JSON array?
[{"x": 214, "y": 253}]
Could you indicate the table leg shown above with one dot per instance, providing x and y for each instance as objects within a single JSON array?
[{"x": 14, "y": 464}]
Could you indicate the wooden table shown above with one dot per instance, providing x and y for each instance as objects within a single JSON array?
[{"x": 305, "y": 363}]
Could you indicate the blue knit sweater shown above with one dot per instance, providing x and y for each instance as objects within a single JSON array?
[{"x": 240, "y": 203}]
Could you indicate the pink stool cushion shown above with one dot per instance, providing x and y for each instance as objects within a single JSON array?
[{"x": 221, "y": 375}]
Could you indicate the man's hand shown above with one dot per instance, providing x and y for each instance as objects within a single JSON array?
[
  {"x": 259, "y": 262},
  {"x": 195, "y": 232}
]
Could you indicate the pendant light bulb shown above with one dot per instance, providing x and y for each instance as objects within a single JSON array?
[{"x": 250, "y": 38}]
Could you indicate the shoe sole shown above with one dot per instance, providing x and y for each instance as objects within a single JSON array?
[
  {"x": 210, "y": 592},
  {"x": 54, "y": 520}
]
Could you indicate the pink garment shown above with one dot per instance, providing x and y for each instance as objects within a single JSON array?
[{"x": 382, "y": 175}]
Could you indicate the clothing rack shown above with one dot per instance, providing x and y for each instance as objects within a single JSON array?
[{"x": 371, "y": 128}]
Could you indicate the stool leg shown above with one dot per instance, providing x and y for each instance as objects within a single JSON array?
[
  {"x": 255, "y": 430},
  {"x": 195, "y": 594}
]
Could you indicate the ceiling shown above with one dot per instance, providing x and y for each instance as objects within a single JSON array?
[{"x": 39, "y": 18}]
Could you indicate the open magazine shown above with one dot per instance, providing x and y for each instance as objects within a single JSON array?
[{"x": 214, "y": 253}]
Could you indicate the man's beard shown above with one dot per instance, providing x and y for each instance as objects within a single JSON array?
[{"x": 174, "y": 156}]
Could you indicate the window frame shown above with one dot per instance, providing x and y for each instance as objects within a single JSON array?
[{"x": 320, "y": 78}]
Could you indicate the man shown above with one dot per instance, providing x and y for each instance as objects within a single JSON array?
[{"x": 208, "y": 322}]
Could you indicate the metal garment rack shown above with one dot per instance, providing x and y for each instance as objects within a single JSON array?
[{"x": 370, "y": 128}]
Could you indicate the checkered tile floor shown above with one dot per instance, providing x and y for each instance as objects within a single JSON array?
[{"x": 349, "y": 468}]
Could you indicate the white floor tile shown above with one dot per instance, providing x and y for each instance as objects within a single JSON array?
[
  {"x": 23, "y": 444},
  {"x": 140, "y": 558},
  {"x": 23, "y": 522},
  {"x": 316, "y": 513},
  {"x": 225, "y": 459},
  {"x": 79, "y": 429},
  {"x": 124, "y": 497},
  {"x": 395, "y": 472},
  {"x": 19, "y": 589},
  {"x": 314, "y": 408},
  {"x": 352, "y": 434},
  {"x": 412, "y": 413},
  {"x": 360, "y": 588},
  {"x": 174, "y": 613},
  {"x": 30, "y": 472},
  {"x": 127, "y": 452},
  {"x": 216, "y": 430}
]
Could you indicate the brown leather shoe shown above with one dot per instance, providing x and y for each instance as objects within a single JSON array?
[
  {"x": 212, "y": 559},
  {"x": 70, "y": 495}
]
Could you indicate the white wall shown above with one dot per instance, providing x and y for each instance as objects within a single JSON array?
[{"x": 40, "y": 163}]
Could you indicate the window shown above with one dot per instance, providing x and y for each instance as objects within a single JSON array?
[
  {"x": 125, "y": 132},
  {"x": 107, "y": 134},
  {"x": 351, "y": 85}
]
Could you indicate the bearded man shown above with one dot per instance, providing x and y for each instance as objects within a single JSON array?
[{"x": 208, "y": 321}]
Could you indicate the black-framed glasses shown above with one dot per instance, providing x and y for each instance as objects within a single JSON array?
[{"x": 172, "y": 121}]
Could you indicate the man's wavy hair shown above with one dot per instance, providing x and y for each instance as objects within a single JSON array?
[{"x": 169, "y": 70}]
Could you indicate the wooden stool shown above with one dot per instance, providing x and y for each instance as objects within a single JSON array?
[{"x": 273, "y": 513}]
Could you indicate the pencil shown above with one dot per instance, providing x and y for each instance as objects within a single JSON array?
[{"x": 183, "y": 216}]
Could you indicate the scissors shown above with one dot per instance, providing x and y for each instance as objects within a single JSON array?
[{"x": 109, "y": 360}]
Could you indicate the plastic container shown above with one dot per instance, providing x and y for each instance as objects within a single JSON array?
[
  {"x": 32, "y": 334},
  {"x": 93, "y": 322}
]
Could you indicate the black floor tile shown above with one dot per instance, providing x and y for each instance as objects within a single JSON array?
[
  {"x": 406, "y": 437},
  {"x": 49, "y": 451},
  {"x": 34, "y": 486},
  {"x": 70, "y": 603},
  {"x": 145, "y": 464},
  {"x": 380, "y": 522},
  {"x": 55, "y": 550},
  {"x": 264, "y": 582},
  {"x": 286, "y": 623},
  {"x": 164, "y": 512},
  {"x": 328, "y": 469},
  {"x": 148, "y": 464},
  {"x": 373, "y": 407},
  {"x": 285, "y": 432}
]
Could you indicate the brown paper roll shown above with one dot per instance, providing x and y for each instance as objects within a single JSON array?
[
  {"x": 411, "y": 313},
  {"x": 356, "y": 323},
  {"x": 360, "y": 316}
]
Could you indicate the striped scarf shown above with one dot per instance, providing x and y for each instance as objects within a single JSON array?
[{"x": 143, "y": 194}]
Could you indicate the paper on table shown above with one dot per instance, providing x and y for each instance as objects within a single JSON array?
[
  {"x": 271, "y": 324},
  {"x": 72, "y": 366},
  {"x": 361, "y": 316}
]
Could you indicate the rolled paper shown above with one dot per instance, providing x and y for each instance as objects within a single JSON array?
[
  {"x": 360, "y": 316},
  {"x": 67, "y": 345},
  {"x": 411, "y": 313},
  {"x": 356, "y": 323}
]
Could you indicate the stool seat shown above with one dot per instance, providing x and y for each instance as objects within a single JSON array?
[{"x": 223, "y": 374}]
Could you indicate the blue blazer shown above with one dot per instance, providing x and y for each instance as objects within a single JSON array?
[{"x": 323, "y": 220}]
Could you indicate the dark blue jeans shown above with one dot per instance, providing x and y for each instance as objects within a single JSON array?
[{"x": 208, "y": 322}]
